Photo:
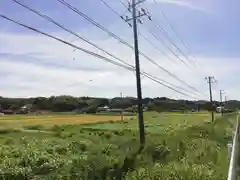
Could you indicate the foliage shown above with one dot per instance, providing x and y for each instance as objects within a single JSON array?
[
  {"x": 179, "y": 147},
  {"x": 79, "y": 104}
]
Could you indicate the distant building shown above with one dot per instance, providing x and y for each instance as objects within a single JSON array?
[
  {"x": 220, "y": 109},
  {"x": 25, "y": 109},
  {"x": 103, "y": 109},
  {"x": 116, "y": 110},
  {"x": 8, "y": 111}
]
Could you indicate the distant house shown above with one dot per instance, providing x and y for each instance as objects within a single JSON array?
[
  {"x": 25, "y": 109},
  {"x": 116, "y": 110},
  {"x": 129, "y": 109},
  {"x": 220, "y": 109},
  {"x": 103, "y": 109},
  {"x": 8, "y": 111}
]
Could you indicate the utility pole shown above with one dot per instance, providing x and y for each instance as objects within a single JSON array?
[
  {"x": 210, "y": 80},
  {"x": 136, "y": 15},
  {"x": 221, "y": 103},
  {"x": 225, "y": 103},
  {"x": 121, "y": 95}
]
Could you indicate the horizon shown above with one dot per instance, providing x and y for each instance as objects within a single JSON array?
[{"x": 96, "y": 97}]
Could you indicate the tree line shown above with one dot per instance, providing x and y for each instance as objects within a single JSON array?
[{"x": 90, "y": 104}]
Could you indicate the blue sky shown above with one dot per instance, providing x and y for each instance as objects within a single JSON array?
[{"x": 33, "y": 65}]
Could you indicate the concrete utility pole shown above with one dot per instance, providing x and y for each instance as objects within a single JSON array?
[
  {"x": 221, "y": 101},
  {"x": 210, "y": 80},
  {"x": 136, "y": 15},
  {"x": 225, "y": 102}
]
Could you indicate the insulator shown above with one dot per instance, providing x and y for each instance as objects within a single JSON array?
[
  {"x": 139, "y": 20},
  {"x": 139, "y": 13}
]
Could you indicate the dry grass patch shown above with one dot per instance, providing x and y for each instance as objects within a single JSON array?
[{"x": 49, "y": 121}]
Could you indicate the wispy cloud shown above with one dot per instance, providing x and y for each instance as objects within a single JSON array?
[{"x": 182, "y": 4}]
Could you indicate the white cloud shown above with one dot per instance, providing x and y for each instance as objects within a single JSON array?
[
  {"x": 181, "y": 3},
  {"x": 39, "y": 73}
]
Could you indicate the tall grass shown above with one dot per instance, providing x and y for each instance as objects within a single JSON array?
[{"x": 185, "y": 152}]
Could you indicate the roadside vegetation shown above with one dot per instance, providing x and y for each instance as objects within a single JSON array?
[{"x": 179, "y": 147}]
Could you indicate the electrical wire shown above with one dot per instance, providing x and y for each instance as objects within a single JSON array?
[
  {"x": 87, "y": 41},
  {"x": 149, "y": 41},
  {"x": 65, "y": 42},
  {"x": 171, "y": 41},
  {"x": 70, "y": 31},
  {"x": 112, "y": 9},
  {"x": 61, "y": 26},
  {"x": 165, "y": 33},
  {"x": 177, "y": 34},
  {"x": 155, "y": 46},
  {"x": 123, "y": 42},
  {"x": 166, "y": 46},
  {"x": 90, "y": 53},
  {"x": 159, "y": 27}
]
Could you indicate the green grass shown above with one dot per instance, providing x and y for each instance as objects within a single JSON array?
[{"x": 179, "y": 147}]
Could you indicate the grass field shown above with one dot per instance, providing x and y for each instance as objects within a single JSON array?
[
  {"x": 179, "y": 147},
  {"x": 47, "y": 121}
]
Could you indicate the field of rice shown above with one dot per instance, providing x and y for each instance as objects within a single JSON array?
[{"x": 47, "y": 121}]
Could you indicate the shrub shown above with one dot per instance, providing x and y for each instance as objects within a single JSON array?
[
  {"x": 8, "y": 130},
  {"x": 118, "y": 133},
  {"x": 60, "y": 149},
  {"x": 158, "y": 152},
  {"x": 34, "y": 127},
  {"x": 9, "y": 141},
  {"x": 77, "y": 147},
  {"x": 108, "y": 135}
]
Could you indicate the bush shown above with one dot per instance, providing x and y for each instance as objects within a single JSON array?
[
  {"x": 8, "y": 130},
  {"x": 9, "y": 141},
  {"x": 158, "y": 152},
  {"x": 34, "y": 127},
  {"x": 77, "y": 147}
]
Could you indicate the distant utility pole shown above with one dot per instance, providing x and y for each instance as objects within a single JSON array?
[
  {"x": 225, "y": 102},
  {"x": 221, "y": 101},
  {"x": 136, "y": 16},
  {"x": 121, "y": 95},
  {"x": 210, "y": 80}
]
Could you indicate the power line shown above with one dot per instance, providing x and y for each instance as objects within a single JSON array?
[
  {"x": 145, "y": 38},
  {"x": 171, "y": 41},
  {"x": 92, "y": 53},
  {"x": 112, "y": 9},
  {"x": 158, "y": 38},
  {"x": 161, "y": 40},
  {"x": 149, "y": 41},
  {"x": 123, "y": 42},
  {"x": 155, "y": 46},
  {"x": 71, "y": 32},
  {"x": 177, "y": 34},
  {"x": 61, "y": 26},
  {"x": 65, "y": 42}
]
